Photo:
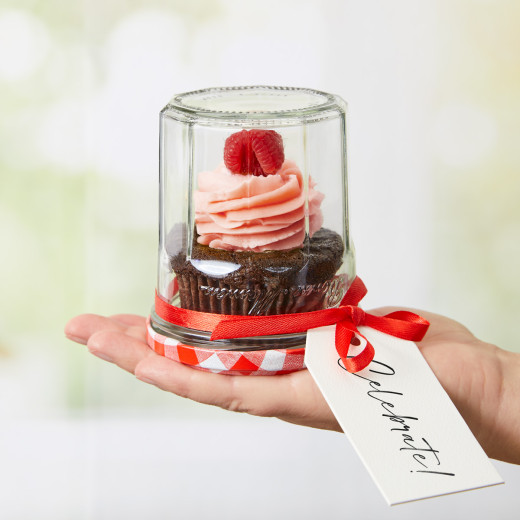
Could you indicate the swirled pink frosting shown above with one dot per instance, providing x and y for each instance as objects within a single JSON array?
[{"x": 253, "y": 213}]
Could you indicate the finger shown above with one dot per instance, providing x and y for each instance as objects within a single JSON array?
[
  {"x": 266, "y": 396},
  {"x": 81, "y": 327},
  {"x": 130, "y": 320},
  {"x": 119, "y": 348},
  {"x": 138, "y": 332}
]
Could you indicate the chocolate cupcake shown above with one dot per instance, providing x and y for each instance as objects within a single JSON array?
[
  {"x": 271, "y": 282},
  {"x": 258, "y": 246}
]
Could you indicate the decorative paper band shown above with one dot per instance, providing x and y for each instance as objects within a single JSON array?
[{"x": 251, "y": 363}]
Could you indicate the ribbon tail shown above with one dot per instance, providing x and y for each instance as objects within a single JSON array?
[
  {"x": 401, "y": 324},
  {"x": 361, "y": 360},
  {"x": 343, "y": 339}
]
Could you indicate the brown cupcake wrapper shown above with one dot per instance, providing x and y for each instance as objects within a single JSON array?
[{"x": 201, "y": 293}]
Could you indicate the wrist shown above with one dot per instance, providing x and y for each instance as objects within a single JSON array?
[{"x": 507, "y": 419}]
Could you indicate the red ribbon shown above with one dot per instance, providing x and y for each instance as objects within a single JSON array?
[{"x": 347, "y": 318}]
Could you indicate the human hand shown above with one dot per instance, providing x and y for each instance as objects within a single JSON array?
[
  {"x": 121, "y": 339},
  {"x": 482, "y": 380}
]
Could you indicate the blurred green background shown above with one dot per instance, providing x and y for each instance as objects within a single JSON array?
[{"x": 434, "y": 131}]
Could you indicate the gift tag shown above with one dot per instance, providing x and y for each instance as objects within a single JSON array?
[{"x": 399, "y": 419}]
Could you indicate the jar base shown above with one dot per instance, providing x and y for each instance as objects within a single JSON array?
[{"x": 228, "y": 362}]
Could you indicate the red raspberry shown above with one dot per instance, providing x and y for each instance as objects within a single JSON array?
[{"x": 257, "y": 152}]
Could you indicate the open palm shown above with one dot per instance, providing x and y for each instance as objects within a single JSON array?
[{"x": 482, "y": 380}]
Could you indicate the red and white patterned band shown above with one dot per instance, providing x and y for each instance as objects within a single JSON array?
[{"x": 230, "y": 362}]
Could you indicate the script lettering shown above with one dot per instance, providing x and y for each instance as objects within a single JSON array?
[{"x": 425, "y": 457}]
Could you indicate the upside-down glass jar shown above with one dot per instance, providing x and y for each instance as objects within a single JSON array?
[{"x": 253, "y": 222}]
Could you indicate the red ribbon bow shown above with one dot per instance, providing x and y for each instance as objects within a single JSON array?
[{"x": 347, "y": 317}]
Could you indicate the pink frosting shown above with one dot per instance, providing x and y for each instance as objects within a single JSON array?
[{"x": 250, "y": 213}]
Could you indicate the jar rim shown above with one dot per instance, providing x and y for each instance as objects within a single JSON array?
[{"x": 256, "y": 102}]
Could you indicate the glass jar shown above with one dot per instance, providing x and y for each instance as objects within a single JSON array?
[{"x": 253, "y": 211}]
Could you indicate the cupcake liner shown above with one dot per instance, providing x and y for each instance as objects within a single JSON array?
[{"x": 202, "y": 293}]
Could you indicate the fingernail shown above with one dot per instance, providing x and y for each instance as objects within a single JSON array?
[{"x": 101, "y": 355}]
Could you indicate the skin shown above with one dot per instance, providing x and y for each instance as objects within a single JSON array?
[{"x": 482, "y": 380}]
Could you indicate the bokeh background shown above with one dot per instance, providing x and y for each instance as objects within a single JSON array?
[{"x": 434, "y": 129}]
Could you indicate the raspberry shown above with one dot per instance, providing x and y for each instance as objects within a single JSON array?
[{"x": 257, "y": 152}]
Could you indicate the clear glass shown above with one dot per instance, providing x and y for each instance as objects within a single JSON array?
[{"x": 268, "y": 241}]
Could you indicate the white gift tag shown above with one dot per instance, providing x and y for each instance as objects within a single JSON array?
[{"x": 399, "y": 419}]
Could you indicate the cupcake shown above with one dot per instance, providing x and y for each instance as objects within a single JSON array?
[{"x": 258, "y": 246}]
